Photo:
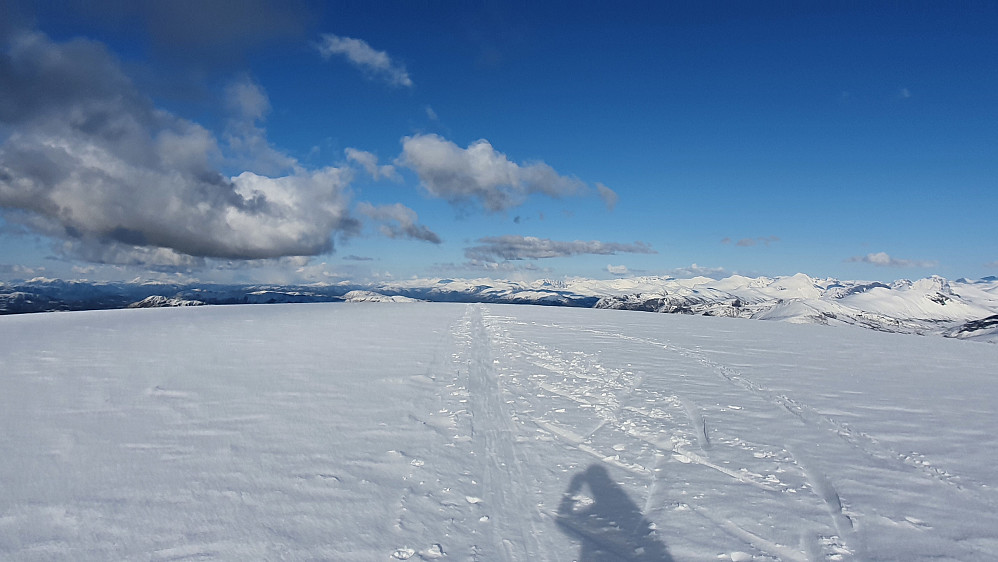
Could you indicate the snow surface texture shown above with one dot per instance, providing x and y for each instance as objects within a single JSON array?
[
  {"x": 961, "y": 309},
  {"x": 488, "y": 432}
]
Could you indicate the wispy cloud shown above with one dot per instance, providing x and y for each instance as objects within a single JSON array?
[
  {"x": 992, "y": 264},
  {"x": 883, "y": 259},
  {"x": 480, "y": 173},
  {"x": 619, "y": 270},
  {"x": 353, "y": 257},
  {"x": 609, "y": 196},
  {"x": 695, "y": 270},
  {"x": 369, "y": 162},
  {"x": 398, "y": 221},
  {"x": 245, "y": 138},
  {"x": 514, "y": 247},
  {"x": 247, "y": 99},
  {"x": 19, "y": 271},
  {"x": 371, "y": 61},
  {"x": 487, "y": 267},
  {"x": 747, "y": 242},
  {"x": 95, "y": 164}
]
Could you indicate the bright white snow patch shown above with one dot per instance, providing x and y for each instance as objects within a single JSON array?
[{"x": 489, "y": 432}]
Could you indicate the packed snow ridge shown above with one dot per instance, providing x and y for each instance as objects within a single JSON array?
[{"x": 963, "y": 309}]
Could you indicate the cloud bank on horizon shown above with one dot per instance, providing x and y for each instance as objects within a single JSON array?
[{"x": 104, "y": 171}]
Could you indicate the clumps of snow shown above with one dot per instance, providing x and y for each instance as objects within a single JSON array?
[
  {"x": 403, "y": 553},
  {"x": 433, "y": 552}
]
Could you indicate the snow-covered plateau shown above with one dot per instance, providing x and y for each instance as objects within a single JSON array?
[{"x": 426, "y": 431}]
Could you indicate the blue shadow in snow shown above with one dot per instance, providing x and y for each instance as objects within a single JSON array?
[{"x": 611, "y": 527}]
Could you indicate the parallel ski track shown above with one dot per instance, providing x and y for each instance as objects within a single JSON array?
[
  {"x": 846, "y": 543},
  {"x": 608, "y": 394},
  {"x": 504, "y": 484},
  {"x": 857, "y": 439}
]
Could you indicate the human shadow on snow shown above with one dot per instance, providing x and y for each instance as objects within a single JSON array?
[{"x": 609, "y": 524}]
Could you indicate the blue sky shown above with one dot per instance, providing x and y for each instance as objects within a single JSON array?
[{"x": 286, "y": 142}]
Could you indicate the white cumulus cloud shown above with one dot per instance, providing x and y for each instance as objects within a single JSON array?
[
  {"x": 883, "y": 259},
  {"x": 480, "y": 173},
  {"x": 90, "y": 161}
]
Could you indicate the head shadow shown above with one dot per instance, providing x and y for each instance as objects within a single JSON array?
[{"x": 596, "y": 511}]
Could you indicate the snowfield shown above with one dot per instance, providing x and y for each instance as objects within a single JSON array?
[{"x": 425, "y": 431}]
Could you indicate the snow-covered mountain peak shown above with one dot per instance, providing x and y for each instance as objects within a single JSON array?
[{"x": 933, "y": 284}]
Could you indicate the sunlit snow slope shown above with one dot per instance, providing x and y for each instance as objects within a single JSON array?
[{"x": 381, "y": 431}]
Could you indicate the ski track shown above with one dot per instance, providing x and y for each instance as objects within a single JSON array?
[
  {"x": 857, "y": 439},
  {"x": 840, "y": 544},
  {"x": 633, "y": 429},
  {"x": 494, "y": 434}
]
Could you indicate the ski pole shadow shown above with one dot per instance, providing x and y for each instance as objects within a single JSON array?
[{"x": 609, "y": 524}]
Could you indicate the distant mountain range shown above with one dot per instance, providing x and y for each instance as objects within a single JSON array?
[{"x": 964, "y": 308}]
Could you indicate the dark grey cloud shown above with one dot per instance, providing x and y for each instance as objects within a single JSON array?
[
  {"x": 190, "y": 41},
  {"x": 513, "y": 247},
  {"x": 883, "y": 259},
  {"x": 196, "y": 33},
  {"x": 398, "y": 221},
  {"x": 89, "y": 160},
  {"x": 480, "y": 173},
  {"x": 198, "y": 26}
]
